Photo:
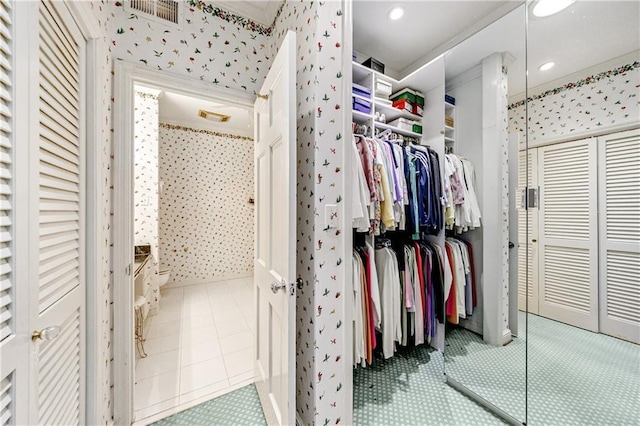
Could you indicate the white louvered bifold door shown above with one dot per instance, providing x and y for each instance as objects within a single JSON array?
[
  {"x": 619, "y": 191},
  {"x": 14, "y": 342},
  {"x": 568, "y": 269},
  {"x": 527, "y": 245},
  {"x": 59, "y": 217}
]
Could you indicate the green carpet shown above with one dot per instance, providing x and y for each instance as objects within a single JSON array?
[{"x": 240, "y": 407}]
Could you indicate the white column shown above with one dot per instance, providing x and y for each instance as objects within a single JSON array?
[{"x": 495, "y": 202}]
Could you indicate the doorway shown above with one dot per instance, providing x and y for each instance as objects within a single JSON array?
[
  {"x": 190, "y": 339},
  {"x": 193, "y": 235}
]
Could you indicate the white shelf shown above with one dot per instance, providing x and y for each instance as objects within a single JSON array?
[
  {"x": 360, "y": 117},
  {"x": 392, "y": 113},
  {"x": 360, "y": 73},
  {"x": 448, "y": 105},
  {"x": 448, "y": 128},
  {"x": 449, "y": 140},
  {"x": 385, "y": 126}
]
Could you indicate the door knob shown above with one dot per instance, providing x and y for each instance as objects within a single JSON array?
[
  {"x": 276, "y": 286},
  {"x": 48, "y": 333}
]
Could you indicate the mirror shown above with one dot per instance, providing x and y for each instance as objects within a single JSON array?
[
  {"x": 584, "y": 238},
  {"x": 485, "y": 352}
]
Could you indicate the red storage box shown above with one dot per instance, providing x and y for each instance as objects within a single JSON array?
[{"x": 403, "y": 104}]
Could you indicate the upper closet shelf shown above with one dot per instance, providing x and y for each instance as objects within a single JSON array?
[
  {"x": 392, "y": 113},
  {"x": 385, "y": 126}
]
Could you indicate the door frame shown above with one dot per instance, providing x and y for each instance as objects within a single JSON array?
[
  {"x": 96, "y": 73},
  {"x": 126, "y": 75}
]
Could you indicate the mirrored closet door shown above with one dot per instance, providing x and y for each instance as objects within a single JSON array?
[
  {"x": 581, "y": 120},
  {"x": 485, "y": 352}
]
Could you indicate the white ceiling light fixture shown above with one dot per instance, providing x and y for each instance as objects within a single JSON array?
[
  {"x": 546, "y": 66},
  {"x": 396, "y": 13},
  {"x": 213, "y": 116},
  {"x": 543, "y": 8}
]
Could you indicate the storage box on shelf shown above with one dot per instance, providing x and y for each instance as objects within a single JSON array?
[
  {"x": 406, "y": 124},
  {"x": 383, "y": 88},
  {"x": 449, "y": 123},
  {"x": 361, "y": 105},
  {"x": 371, "y": 94},
  {"x": 361, "y": 91},
  {"x": 374, "y": 64}
]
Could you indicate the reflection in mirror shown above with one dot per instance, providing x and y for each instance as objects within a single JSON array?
[
  {"x": 583, "y": 239},
  {"x": 485, "y": 353}
]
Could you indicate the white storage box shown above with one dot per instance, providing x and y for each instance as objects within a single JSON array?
[
  {"x": 403, "y": 124},
  {"x": 383, "y": 88}
]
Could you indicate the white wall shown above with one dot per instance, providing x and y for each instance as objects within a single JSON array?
[
  {"x": 467, "y": 90},
  {"x": 206, "y": 221}
]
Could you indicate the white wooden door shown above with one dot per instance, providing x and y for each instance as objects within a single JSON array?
[
  {"x": 274, "y": 267},
  {"x": 619, "y": 206},
  {"x": 49, "y": 217},
  {"x": 568, "y": 262},
  {"x": 527, "y": 234}
]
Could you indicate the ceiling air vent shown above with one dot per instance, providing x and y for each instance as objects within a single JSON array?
[{"x": 164, "y": 11}]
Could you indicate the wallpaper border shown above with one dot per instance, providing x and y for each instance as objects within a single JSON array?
[
  {"x": 208, "y": 132},
  {"x": 587, "y": 80},
  {"x": 239, "y": 20}
]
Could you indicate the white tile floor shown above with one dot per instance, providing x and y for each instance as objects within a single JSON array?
[{"x": 200, "y": 343}]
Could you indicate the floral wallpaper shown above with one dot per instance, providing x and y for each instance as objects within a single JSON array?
[
  {"x": 207, "y": 48},
  {"x": 606, "y": 99},
  {"x": 503, "y": 92},
  {"x": 321, "y": 370},
  {"x": 330, "y": 276},
  {"x": 206, "y": 220},
  {"x": 300, "y": 16},
  {"x": 241, "y": 21},
  {"x": 145, "y": 189}
]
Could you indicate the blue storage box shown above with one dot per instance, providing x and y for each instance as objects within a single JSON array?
[
  {"x": 450, "y": 99},
  {"x": 361, "y": 91},
  {"x": 361, "y": 105}
]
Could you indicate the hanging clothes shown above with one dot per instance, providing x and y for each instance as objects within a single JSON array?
[
  {"x": 462, "y": 212},
  {"x": 402, "y": 188},
  {"x": 461, "y": 298}
]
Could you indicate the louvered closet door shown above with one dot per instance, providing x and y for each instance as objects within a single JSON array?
[
  {"x": 619, "y": 190},
  {"x": 527, "y": 243},
  {"x": 568, "y": 233},
  {"x": 59, "y": 218},
  {"x": 14, "y": 348}
]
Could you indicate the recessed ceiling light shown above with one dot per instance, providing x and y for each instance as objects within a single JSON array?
[
  {"x": 396, "y": 13},
  {"x": 546, "y": 66},
  {"x": 548, "y": 7}
]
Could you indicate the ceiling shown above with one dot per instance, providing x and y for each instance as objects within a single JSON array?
[
  {"x": 427, "y": 29},
  {"x": 183, "y": 110},
  {"x": 584, "y": 35},
  {"x": 263, "y": 12}
]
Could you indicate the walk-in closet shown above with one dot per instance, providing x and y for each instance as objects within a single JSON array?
[{"x": 494, "y": 197}]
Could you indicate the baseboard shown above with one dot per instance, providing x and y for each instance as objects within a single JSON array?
[{"x": 174, "y": 284}]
